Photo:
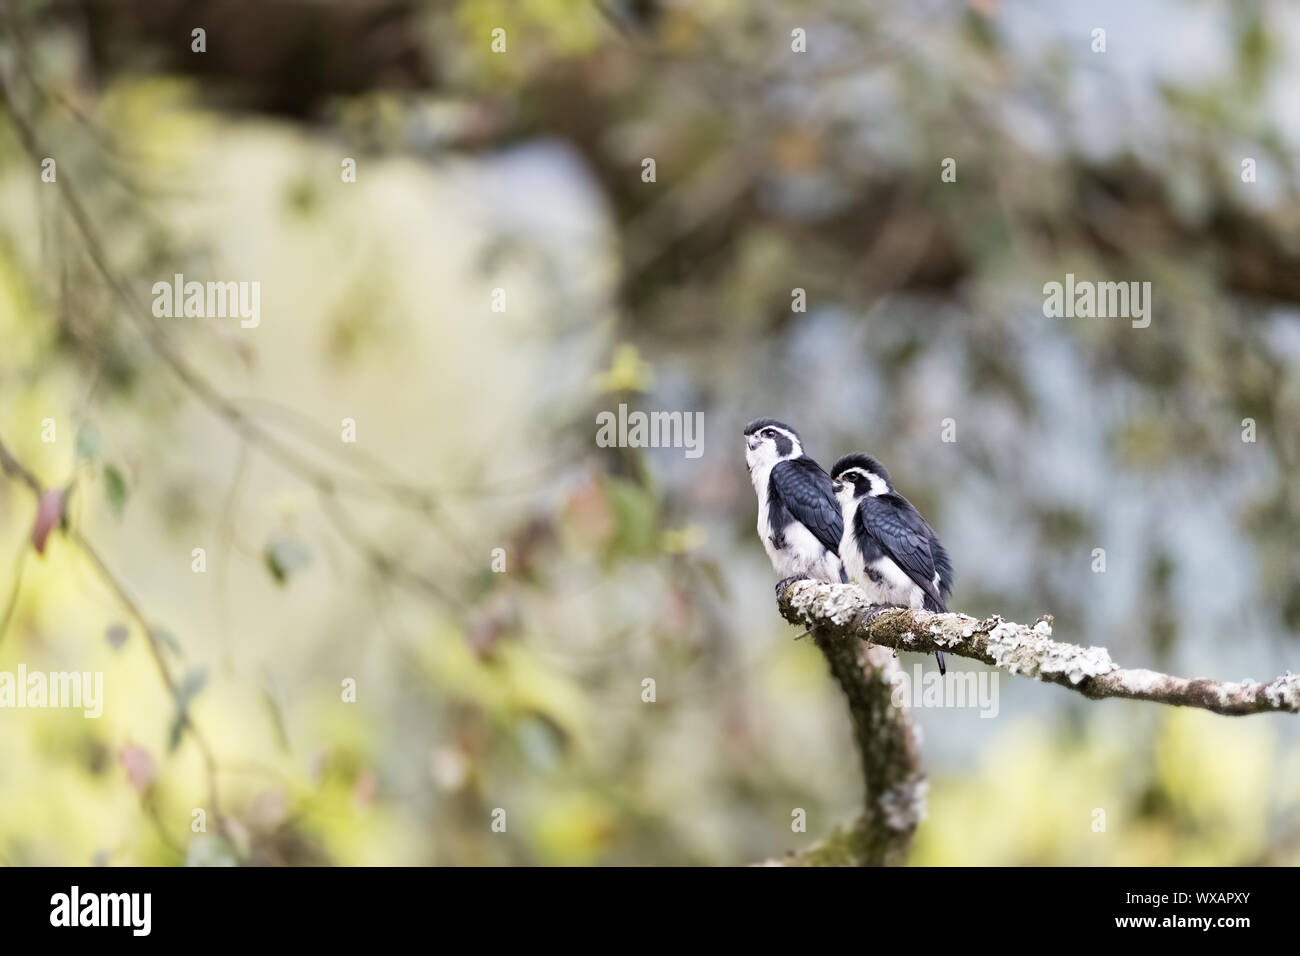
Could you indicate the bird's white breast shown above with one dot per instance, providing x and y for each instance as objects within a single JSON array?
[
  {"x": 803, "y": 553},
  {"x": 854, "y": 566},
  {"x": 760, "y": 477},
  {"x": 899, "y": 588}
]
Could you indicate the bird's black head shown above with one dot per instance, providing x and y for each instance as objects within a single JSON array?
[
  {"x": 859, "y": 475},
  {"x": 768, "y": 441},
  {"x": 758, "y": 424}
]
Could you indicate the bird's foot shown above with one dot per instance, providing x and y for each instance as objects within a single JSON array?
[
  {"x": 875, "y": 610},
  {"x": 784, "y": 584}
]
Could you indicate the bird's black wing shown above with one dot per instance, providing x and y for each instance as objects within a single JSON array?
[
  {"x": 905, "y": 536},
  {"x": 942, "y": 564},
  {"x": 805, "y": 490}
]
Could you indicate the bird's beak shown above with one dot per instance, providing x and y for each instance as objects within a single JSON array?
[
  {"x": 751, "y": 443},
  {"x": 837, "y": 486}
]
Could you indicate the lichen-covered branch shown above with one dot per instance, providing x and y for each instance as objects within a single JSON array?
[
  {"x": 887, "y": 749},
  {"x": 886, "y": 740},
  {"x": 841, "y": 613}
]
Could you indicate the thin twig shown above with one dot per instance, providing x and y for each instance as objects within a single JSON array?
[{"x": 14, "y": 469}]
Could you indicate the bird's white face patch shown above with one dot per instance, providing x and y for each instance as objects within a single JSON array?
[
  {"x": 878, "y": 485},
  {"x": 771, "y": 444},
  {"x": 853, "y": 479},
  {"x": 845, "y": 493}
]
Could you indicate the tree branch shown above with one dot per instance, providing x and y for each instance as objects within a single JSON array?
[
  {"x": 895, "y": 783},
  {"x": 841, "y": 612},
  {"x": 329, "y": 484},
  {"x": 15, "y": 470}
]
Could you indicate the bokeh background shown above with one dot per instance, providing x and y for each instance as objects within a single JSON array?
[{"x": 479, "y": 689}]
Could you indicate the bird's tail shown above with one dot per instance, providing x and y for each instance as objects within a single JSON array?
[{"x": 934, "y": 602}]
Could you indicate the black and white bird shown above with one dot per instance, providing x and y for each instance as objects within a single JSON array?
[
  {"x": 798, "y": 517},
  {"x": 888, "y": 549}
]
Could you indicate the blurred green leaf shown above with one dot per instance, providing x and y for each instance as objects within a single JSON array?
[
  {"x": 713, "y": 574},
  {"x": 176, "y": 731},
  {"x": 168, "y": 640},
  {"x": 627, "y": 372},
  {"x": 284, "y": 556},
  {"x": 115, "y": 490},
  {"x": 191, "y": 685},
  {"x": 541, "y": 740},
  {"x": 87, "y": 443},
  {"x": 271, "y": 700},
  {"x": 635, "y": 513}
]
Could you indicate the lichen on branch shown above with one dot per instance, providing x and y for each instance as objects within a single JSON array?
[{"x": 841, "y": 612}]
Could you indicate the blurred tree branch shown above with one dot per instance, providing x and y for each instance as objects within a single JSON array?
[
  {"x": 289, "y": 57},
  {"x": 15, "y": 470},
  {"x": 282, "y": 57},
  {"x": 841, "y": 613},
  {"x": 890, "y": 756},
  {"x": 328, "y": 483}
]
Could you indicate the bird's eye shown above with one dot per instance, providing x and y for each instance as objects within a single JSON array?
[{"x": 769, "y": 433}]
